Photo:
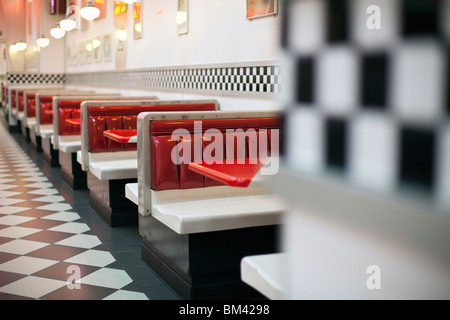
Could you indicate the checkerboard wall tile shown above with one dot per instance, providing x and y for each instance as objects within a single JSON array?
[{"x": 372, "y": 105}]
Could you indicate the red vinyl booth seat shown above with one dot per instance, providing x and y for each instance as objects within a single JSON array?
[
  {"x": 125, "y": 117},
  {"x": 167, "y": 175}
]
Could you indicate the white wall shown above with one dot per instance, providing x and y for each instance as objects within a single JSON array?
[{"x": 218, "y": 33}]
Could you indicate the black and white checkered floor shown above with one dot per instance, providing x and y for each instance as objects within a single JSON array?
[{"x": 49, "y": 252}]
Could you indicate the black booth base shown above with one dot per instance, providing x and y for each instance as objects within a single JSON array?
[
  {"x": 204, "y": 266},
  {"x": 50, "y": 155},
  {"x": 107, "y": 198},
  {"x": 71, "y": 171},
  {"x": 27, "y": 134}
]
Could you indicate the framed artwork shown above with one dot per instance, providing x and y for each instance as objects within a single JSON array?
[
  {"x": 74, "y": 56},
  {"x": 137, "y": 19},
  {"x": 100, "y": 4},
  {"x": 261, "y": 8},
  {"x": 107, "y": 47},
  {"x": 81, "y": 54},
  {"x": 88, "y": 51},
  {"x": 119, "y": 7},
  {"x": 182, "y": 17},
  {"x": 97, "y": 49},
  {"x": 69, "y": 56}
]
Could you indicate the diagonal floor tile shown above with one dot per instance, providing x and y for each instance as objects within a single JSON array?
[
  {"x": 56, "y": 207},
  {"x": 80, "y": 241},
  {"x": 13, "y": 220},
  {"x": 92, "y": 258},
  {"x": 107, "y": 277},
  {"x": 20, "y": 246},
  {"x": 50, "y": 199},
  {"x": 17, "y": 232},
  {"x": 26, "y": 265},
  {"x": 71, "y": 227},
  {"x": 63, "y": 216},
  {"x": 126, "y": 295},
  {"x": 32, "y": 287},
  {"x": 47, "y": 191}
]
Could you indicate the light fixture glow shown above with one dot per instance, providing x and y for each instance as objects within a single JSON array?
[
  {"x": 57, "y": 32},
  {"x": 13, "y": 48},
  {"x": 90, "y": 12},
  {"x": 68, "y": 24},
  {"x": 121, "y": 34},
  {"x": 129, "y": 1},
  {"x": 181, "y": 17},
  {"x": 96, "y": 43},
  {"x": 43, "y": 41},
  {"x": 21, "y": 45}
]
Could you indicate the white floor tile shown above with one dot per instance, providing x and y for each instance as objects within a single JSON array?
[
  {"x": 44, "y": 191},
  {"x": 27, "y": 265},
  {"x": 107, "y": 277},
  {"x": 71, "y": 227},
  {"x": 40, "y": 185},
  {"x": 12, "y": 209},
  {"x": 86, "y": 241},
  {"x": 95, "y": 258},
  {"x": 56, "y": 207},
  {"x": 20, "y": 246},
  {"x": 32, "y": 287},
  {"x": 126, "y": 295},
  {"x": 6, "y": 180},
  {"x": 13, "y": 220},
  {"x": 36, "y": 179},
  {"x": 7, "y": 186},
  {"x": 6, "y": 194},
  {"x": 50, "y": 199},
  {"x": 18, "y": 232},
  {"x": 9, "y": 201},
  {"x": 63, "y": 216}
]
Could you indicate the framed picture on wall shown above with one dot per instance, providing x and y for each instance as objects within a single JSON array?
[
  {"x": 81, "y": 48},
  {"x": 261, "y": 8},
  {"x": 97, "y": 49},
  {"x": 74, "y": 56},
  {"x": 182, "y": 17},
  {"x": 89, "y": 51},
  {"x": 137, "y": 19},
  {"x": 107, "y": 47}
]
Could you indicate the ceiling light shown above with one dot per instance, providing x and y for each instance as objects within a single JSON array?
[
  {"x": 13, "y": 48},
  {"x": 43, "y": 41},
  {"x": 68, "y": 24},
  {"x": 90, "y": 12},
  {"x": 21, "y": 45},
  {"x": 57, "y": 32}
]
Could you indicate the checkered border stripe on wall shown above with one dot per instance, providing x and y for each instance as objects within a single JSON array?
[
  {"x": 264, "y": 79},
  {"x": 35, "y": 78}
]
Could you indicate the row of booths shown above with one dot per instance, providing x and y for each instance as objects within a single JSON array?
[{"x": 192, "y": 178}]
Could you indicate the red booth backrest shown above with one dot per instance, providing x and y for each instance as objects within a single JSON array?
[
  {"x": 45, "y": 113},
  {"x": 20, "y": 100},
  {"x": 167, "y": 175},
  {"x": 68, "y": 109},
  {"x": 125, "y": 117},
  {"x": 31, "y": 105}
]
